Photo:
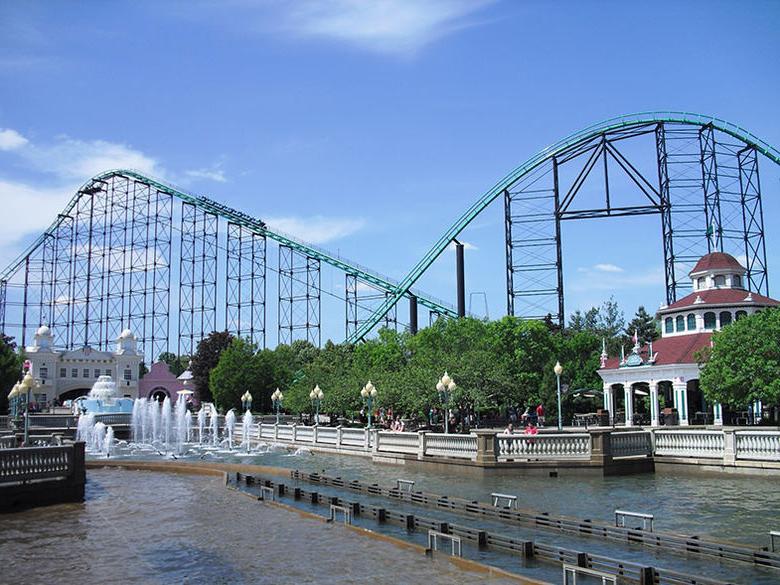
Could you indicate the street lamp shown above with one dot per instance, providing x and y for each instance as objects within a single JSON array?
[
  {"x": 26, "y": 386},
  {"x": 277, "y": 398},
  {"x": 369, "y": 394},
  {"x": 246, "y": 401},
  {"x": 445, "y": 387},
  {"x": 558, "y": 369},
  {"x": 316, "y": 397},
  {"x": 13, "y": 400}
]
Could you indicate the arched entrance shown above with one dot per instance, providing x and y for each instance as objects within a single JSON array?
[
  {"x": 159, "y": 394},
  {"x": 73, "y": 394}
]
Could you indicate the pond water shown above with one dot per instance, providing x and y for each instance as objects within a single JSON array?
[{"x": 139, "y": 527}]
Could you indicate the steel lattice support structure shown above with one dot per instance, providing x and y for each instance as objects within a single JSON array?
[
  {"x": 245, "y": 283},
  {"x": 361, "y": 299},
  {"x": 753, "y": 220},
  {"x": 198, "y": 276},
  {"x": 299, "y": 296}
]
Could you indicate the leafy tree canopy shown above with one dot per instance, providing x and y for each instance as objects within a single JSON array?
[{"x": 205, "y": 359}]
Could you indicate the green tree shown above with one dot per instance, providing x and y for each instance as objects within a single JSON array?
[
  {"x": 237, "y": 371},
  {"x": 10, "y": 368},
  {"x": 645, "y": 324},
  {"x": 205, "y": 359},
  {"x": 743, "y": 364},
  {"x": 177, "y": 364}
]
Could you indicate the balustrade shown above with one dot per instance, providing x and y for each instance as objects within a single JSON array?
[
  {"x": 33, "y": 463},
  {"x": 327, "y": 435},
  {"x": 631, "y": 444},
  {"x": 703, "y": 444},
  {"x": 448, "y": 445},
  {"x": 545, "y": 446},
  {"x": 759, "y": 445},
  {"x": 392, "y": 442},
  {"x": 353, "y": 437}
]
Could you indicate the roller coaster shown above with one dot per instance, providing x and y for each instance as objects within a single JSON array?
[{"x": 130, "y": 251}]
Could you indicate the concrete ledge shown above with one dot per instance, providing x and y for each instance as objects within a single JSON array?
[
  {"x": 692, "y": 465},
  {"x": 41, "y": 493}
]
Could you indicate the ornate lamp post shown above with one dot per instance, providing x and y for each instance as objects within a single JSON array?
[
  {"x": 558, "y": 369},
  {"x": 26, "y": 386},
  {"x": 13, "y": 400},
  {"x": 445, "y": 387},
  {"x": 246, "y": 401},
  {"x": 277, "y": 398},
  {"x": 368, "y": 393},
  {"x": 316, "y": 397}
]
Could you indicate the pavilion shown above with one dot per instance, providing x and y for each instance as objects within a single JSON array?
[{"x": 666, "y": 370}]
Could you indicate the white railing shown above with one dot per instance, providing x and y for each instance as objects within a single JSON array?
[
  {"x": 693, "y": 443},
  {"x": 544, "y": 446},
  {"x": 267, "y": 431},
  {"x": 761, "y": 445},
  {"x": 327, "y": 435},
  {"x": 285, "y": 432},
  {"x": 632, "y": 444},
  {"x": 457, "y": 446},
  {"x": 353, "y": 437},
  {"x": 304, "y": 434},
  {"x": 387, "y": 441}
]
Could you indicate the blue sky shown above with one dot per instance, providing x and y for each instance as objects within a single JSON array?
[{"x": 368, "y": 127}]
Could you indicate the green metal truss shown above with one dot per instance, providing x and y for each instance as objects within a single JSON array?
[
  {"x": 250, "y": 223},
  {"x": 608, "y": 125}
]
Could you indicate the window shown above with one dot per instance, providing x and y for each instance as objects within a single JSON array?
[
  {"x": 86, "y": 373},
  {"x": 63, "y": 372},
  {"x": 680, "y": 323},
  {"x": 720, "y": 280},
  {"x": 725, "y": 318},
  {"x": 701, "y": 282},
  {"x": 740, "y": 314},
  {"x": 691, "y": 322},
  {"x": 669, "y": 325},
  {"x": 43, "y": 373},
  {"x": 97, "y": 373},
  {"x": 108, "y": 371},
  {"x": 736, "y": 281},
  {"x": 128, "y": 374},
  {"x": 74, "y": 373},
  {"x": 709, "y": 320}
]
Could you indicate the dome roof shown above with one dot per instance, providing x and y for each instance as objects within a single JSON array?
[
  {"x": 43, "y": 330},
  {"x": 717, "y": 261},
  {"x": 126, "y": 334}
]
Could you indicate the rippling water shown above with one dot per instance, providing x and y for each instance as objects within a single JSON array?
[{"x": 140, "y": 527}]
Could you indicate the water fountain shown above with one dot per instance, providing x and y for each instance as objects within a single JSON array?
[
  {"x": 104, "y": 398},
  {"x": 246, "y": 431},
  {"x": 201, "y": 423},
  {"x": 230, "y": 423}
]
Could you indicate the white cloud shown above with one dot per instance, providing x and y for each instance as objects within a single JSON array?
[
  {"x": 210, "y": 174},
  {"x": 466, "y": 246},
  {"x": 389, "y": 26},
  {"x": 317, "y": 229},
  {"x": 608, "y": 268},
  {"x": 28, "y": 209},
  {"x": 69, "y": 158},
  {"x": 11, "y": 139},
  {"x": 594, "y": 279}
]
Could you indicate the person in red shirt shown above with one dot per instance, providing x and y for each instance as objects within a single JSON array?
[{"x": 540, "y": 414}]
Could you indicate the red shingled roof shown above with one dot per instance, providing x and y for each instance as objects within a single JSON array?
[
  {"x": 719, "y": 296},
  {"x": 678, "y": 349},
  {"x": 717, "y": 261}
]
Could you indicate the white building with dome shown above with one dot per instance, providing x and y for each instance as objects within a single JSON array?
[
  {"x": 665, "y": 372},
  {"x": 68, "y": 374}
]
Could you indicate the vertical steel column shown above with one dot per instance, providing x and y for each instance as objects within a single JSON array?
[
  {"x": 709, "y": 174},
  {"x": 257, "y": 291},
  {"x": 3, "y": 297},
  {"x": 187, "y": 279},
  {"x": 46, "y": 299},
  {"x": 413, "y": 314},
  {"x": 233, "y": 278},
  {"x": 666, "y": 215},
  {"x": 140, "y": 258},
  {"x": 117, "y": 265},
  {"x": 161, "y": 277},
  {"x": 753, "y": 221},
  {"x": 350, "y": 303},
  {"x": 285, "y": 295},
  {"x": 313, "y": 301},
  {"x": 510, "y": 286},
  {"x": 209, "y": 259},
  {"x": 63, "y": 280},
  {"x": 82, "y": 269},
  {"x": 558, "y": 243},
  {"x": 100, "y": 259},
  {"x": 24, "y": 300},
  {"x": 461, "y": 279}
]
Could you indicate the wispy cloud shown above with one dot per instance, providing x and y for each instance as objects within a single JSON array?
[
  {"x": 317, "y": 229},
  {"x": 387, "y": 26},
  {"x": 209, "y": 174},
  {"x": 466, "y": 246},
  {"x": 598, "y": 279},
  {"x": 608, "y": 268},
  {"x": 11, "y": 139}
]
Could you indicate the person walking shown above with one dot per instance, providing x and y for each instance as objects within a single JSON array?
[{"x": 540, "y": 414}]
